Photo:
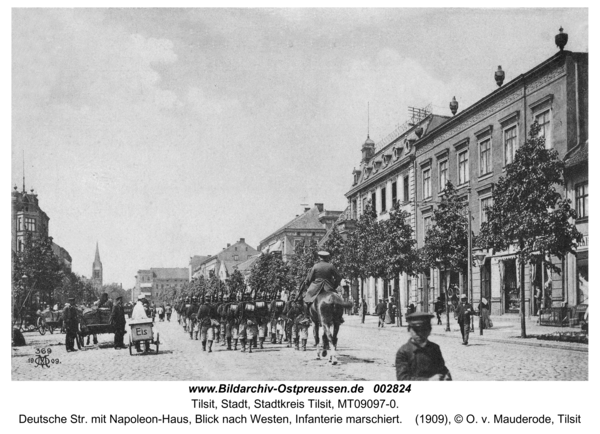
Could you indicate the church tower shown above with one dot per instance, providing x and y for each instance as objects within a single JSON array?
[{"x": 97, "y": 270}]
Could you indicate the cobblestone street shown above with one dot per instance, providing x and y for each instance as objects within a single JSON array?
[{"x": 365, "y": 353}]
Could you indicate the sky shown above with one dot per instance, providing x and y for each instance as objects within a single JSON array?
[{"x": 165, "y": 133}]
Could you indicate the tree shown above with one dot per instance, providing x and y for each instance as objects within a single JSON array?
[
  {"x": 268, "y": 275},
  {"x": 36, "y": 272},
  {"x": 361, "y": 246},
  {"x": 447, "y": 240},
  {"x": 300, "y": 264},
  {"x": 529, "y": 213},
  {"x": 397, "y": 247},
  {"x": 236, "y": 284},
  {"x": 336, "y": 246}
]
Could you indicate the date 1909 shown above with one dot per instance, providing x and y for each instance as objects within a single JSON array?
[{"x": 42, "y": 358}]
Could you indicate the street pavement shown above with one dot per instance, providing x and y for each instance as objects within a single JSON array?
[{"x": 365, "y": 352}]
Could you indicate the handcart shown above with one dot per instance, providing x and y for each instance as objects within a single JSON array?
[{"x": 142, "y": 333}]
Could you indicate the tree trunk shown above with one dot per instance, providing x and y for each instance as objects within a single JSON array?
[{"x": 522, "y": 291}]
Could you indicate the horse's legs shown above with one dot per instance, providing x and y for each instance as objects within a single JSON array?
[
  {"x": 334, "y": 339},
  {"x": 316, "y": 335},
  {"x": 328, "y": 334}
]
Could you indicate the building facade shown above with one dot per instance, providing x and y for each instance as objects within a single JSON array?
[
  {"x": 306, "y": 229},
  {"x": 473, "y": 149},
  {"x": 386, "y": 177},
  {"x": 151, "y": 282},
  {"x": 26, "y": 216},
  {"x": 222, "y": 264}
]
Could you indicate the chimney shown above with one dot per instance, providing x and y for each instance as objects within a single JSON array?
[
  {"x": 242, "y": 240},
  {"x": 306, "y": 209},
  {"x": 320, "y": 206},
  {"x": 228, "y": 245}
]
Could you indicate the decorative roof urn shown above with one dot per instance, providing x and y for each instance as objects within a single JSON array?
[
  {"x": 561, "y": 39},
  {"x": 453, "y": 105},
  {"x": 419, "y": 131},
  {"x": 499, "y": 76}
]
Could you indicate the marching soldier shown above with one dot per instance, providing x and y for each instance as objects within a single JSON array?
[
  {"x": 192, "y": 323},
  {"x": 419, "y": 359}
]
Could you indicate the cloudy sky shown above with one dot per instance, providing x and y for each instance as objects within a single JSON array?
[{"x": 162, "y": 134}]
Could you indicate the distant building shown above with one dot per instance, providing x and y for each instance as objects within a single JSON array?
[
  {"x": 222, "y": 264},
  {"x": 154, "y": 280},
  {"x": 195, "y": 262},
  {"x": 97, "y": 272},
  {"x": 27, "y": 216},
  {"x": 305, "y": 229}
]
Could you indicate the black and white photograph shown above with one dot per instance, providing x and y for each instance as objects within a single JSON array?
[{"x": 299, "y": 194}]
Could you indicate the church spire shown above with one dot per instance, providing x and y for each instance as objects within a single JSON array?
[{"x": 97, "y": 258}]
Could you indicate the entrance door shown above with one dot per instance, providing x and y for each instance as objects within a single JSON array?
[
  {"x": 512, "y": 297},
  {"x": 486, "y": 280}
]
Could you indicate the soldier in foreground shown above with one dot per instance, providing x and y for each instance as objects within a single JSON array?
[{"x": 419, "y": 359}]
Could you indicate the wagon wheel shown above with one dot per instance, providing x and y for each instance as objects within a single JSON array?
[
  {"x": 41, "y": 326},
  {"x": 50, "y": 329},
  {"x": 130, "y": 347}
]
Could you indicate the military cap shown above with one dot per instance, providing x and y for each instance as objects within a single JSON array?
[
  {"x": 323, "y": 254},
  {"x": 418, "y": 319}
]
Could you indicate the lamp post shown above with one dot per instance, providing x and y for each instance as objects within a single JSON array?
[{"x": 479, "y": 256}]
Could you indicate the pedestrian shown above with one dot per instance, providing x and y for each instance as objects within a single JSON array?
[
  {"x": 161, "y": 313},
  {"x": 420, "y": 359},
  {"x": 484, "y": 314},
  {"x": 390, "y": 315},
  {"x": 168, "y": 311},
  {"x": 71, "y": 324},
  {"x": 139, "y": 312},
  {"x": 117, "y": 320},
  {"x": 439, "y": 309},
  {"x": 380, "y": 311},
  {"x": 363, "y": 309},
  {"x": 463, "y": 315}
]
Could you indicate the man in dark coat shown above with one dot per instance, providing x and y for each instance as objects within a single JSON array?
[
  {"x": 380, "y": 311},
  {"x": 71, "y": 324},
  {"x": 322, "y": 275},
  {"x": 439, "y": 309},
  {"x": 363, "y": 310},
  {"x": 419, "y": 359},
  {"x": 463, "y": 315},
  {"x": 117, "y": 320}
]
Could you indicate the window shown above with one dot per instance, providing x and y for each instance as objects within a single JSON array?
[
  {"x": 20, "y": 246},
  {"x": 443, "y": 165},
  {"x": 510, "y": 144},
  {"x": 373, "y": 201},
  {"x": 235, "y": 249},
  {"x": 463, "y": 167},
  {"x": 394, "y": 193},
  {"x": 426, "y": 183},
  {"x": 485, "y": 202},
  {"x": 426, "y": 224},
  {"x": 581, "y": 200},
  {"x": 383, "y": 201},
  {"x": 406, "y": 192},
  {"x": 543, "y": 119},
  {"x": 485, "y": 157},
  {"x": 236, "y": 257},
  {"x": 30, "y": 224},
  {"x": 354, "y": 210},
  {"x": 20, "y": 223}
]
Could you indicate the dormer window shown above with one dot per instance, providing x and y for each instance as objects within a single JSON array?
[
  {"x": 356, "y": 174},
  {"x": 397, "y": 151},
  {"x": 368, "y": 171},
  {"x": 377, "y": 165},
  {"x": 386, "y": 158}
]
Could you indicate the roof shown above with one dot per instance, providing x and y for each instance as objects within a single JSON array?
[
  {"x": 171, "y": 273},
  {"x": 196, "y": 260},
  {"x": 229, "y": 266},
  {"x": 306, "y": 221},
  {"x": 247, "y": 264}
]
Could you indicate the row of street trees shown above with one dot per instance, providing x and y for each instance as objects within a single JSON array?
[{"x": 38, "y": 276}]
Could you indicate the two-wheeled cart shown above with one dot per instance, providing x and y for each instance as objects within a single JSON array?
[{"x": 142, "y": 333}]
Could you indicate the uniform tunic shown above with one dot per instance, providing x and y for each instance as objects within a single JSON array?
[
  {"x": 322, "y": 275},
  {"x": 415, "y": 363}
]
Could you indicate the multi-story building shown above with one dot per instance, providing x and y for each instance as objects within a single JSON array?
[
  {"x": 386, "y": 176},
  {"x": 154, "y": 280},
  {"x": 305, "y": 229},
  {"x": 222, "y": 264},
  {"x": 63, "y": 256},
  {"x": 27, "y": 216},
  {"x": 473, "y": 149}
]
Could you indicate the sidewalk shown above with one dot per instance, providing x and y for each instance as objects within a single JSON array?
[{"x": 505, "y": 331}]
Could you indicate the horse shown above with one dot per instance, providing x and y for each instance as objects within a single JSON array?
[{"x": 327, "y": 310}]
